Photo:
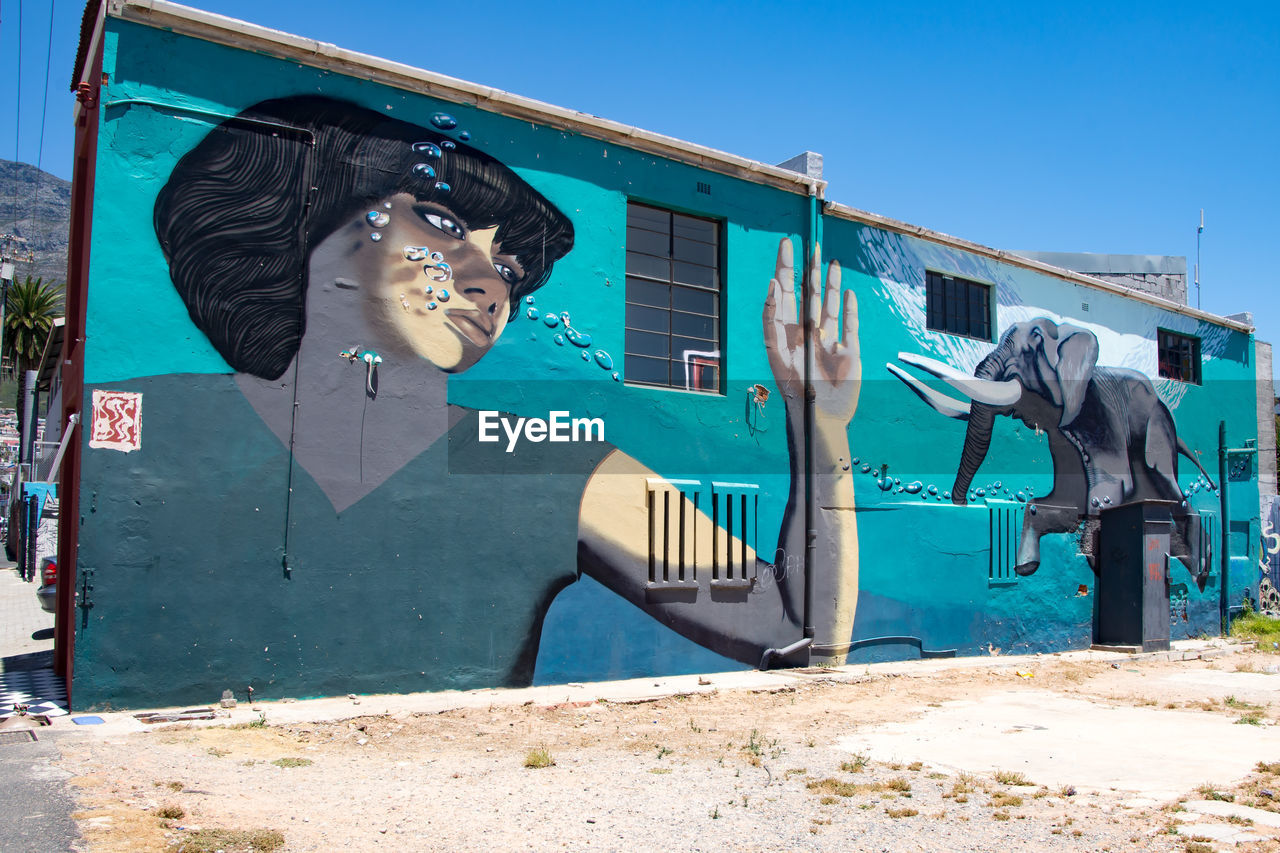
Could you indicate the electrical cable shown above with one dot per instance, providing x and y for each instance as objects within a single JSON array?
[{"x": 44, "y": 111}]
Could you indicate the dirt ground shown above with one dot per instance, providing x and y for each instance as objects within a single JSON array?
[{"x": 723, "y": 770}]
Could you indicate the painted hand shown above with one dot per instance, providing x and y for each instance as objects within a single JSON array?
[{"x": 836, "y": 364}]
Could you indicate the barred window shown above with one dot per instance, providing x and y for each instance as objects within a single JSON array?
[
  {"x": 958, "y": 306},
  {"x": 1179, "y": 356},
  {"x": 673, "y": 300}
]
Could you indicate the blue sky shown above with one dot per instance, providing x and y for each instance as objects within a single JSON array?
[{"x": 1076, "y": 127}]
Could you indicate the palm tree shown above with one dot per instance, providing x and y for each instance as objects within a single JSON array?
[{"x": 30, "y": 310}]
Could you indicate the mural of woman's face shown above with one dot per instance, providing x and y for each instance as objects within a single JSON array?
[{"x": 440, "y": 289}]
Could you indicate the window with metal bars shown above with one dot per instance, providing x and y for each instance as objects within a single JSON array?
[
  {"x": 1179, "y": 356},
  {"x": 958, "y": 306},
  {"x": 672, "y": 334}
]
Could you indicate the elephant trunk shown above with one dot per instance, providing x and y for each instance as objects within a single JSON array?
[{"x": 977, "y": 439}]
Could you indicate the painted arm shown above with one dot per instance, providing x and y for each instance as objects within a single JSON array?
[{"x": 741, "y": 622}]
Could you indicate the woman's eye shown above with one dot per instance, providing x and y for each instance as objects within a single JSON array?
[
  {"x": 446, "y": 225},
  {"x": 509, "y": 275}
]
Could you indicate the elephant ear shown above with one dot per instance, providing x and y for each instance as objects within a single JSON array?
[{"x": 1077, "y": 357}]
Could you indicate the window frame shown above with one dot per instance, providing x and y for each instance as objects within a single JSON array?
[
  {"x": 987, "y": 290},
  {"x": 1164, "y": 366},
  {"x": 699, "y": 306}
]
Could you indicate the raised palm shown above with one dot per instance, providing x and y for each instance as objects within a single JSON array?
[{"x": 836, "y": 372}]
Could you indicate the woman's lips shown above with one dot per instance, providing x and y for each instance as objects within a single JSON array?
[{"x": 475, "y": 325}]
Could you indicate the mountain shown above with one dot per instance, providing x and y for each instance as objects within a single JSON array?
[{"x": 37, "y": 206}]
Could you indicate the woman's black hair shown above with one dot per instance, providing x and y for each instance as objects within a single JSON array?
[{"x": 238, "y": 215}]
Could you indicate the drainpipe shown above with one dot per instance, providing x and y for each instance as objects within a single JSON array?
[
  {"x": 1224, "y": 616},
  {"x": 810, "y": 533}
]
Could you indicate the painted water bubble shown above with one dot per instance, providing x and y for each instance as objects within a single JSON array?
[
  {"x": 552, "y": 320},
  {"x": 427, "y": 149},
  {"x": 375, "y": 236},
  {"x": 604, "y": 359},
  {"x": 866, "y": 469},
  {"x": 464, "y": 135},
  {"x": 431, "y": 306},
  {"x": 617, "y": 377},
  {"x": 578, "y": 339},
  {"x": 441, "y": 186},
  {"x": 438, "y": 271},
  {"x": 564, "y": 317},
  {"x": 448, "y": 144},
  {"x": 586, "y": 356},
  {"x": 1022, "y": 498},
  {"x": 559, "y": 339},
  {"x": 982, "y": 493},
  {"x": 1095, "y": 502},
  {"x": 946, "y": 496},
  {"x": 443, "y": 295},
  {"x": 377, "y": 218},
  {"x": 913, "y": 488},
  {"x": 997, "y": 485},
  {"x": 532, "y": 313},
  {"x": 528, "y": 300},
  {"x": 424, "y": 170},
  {"x": 1033, "y": 509},
  {"x": 428, "y": 290},
  {"x": 933, "y": 490},
  {"x": 444, "y": 121},
  {"x": 885, "y": 484},
  {"x": 854, "y": 461},
  {"x": 415, "y": 253},
  {"x": 897, "y": 482}
]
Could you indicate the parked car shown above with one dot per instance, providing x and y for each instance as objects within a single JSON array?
[{"x": 48, "y": 591}]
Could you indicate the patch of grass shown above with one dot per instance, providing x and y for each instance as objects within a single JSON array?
[
  {"x": 915, "y": 766},
  {"x": 260, "y": 723},
  {"x": 213, "y": 840},
  {"x": 831, "y": 785},
  {"x": 659, "y": 770},
  {"x": 1272, "y": 767},
  {"x": 538, "y": 758},
  {"x": 217, "y": 753},
  {"x": 1262, "y": 630},
  {"x": 291, "y": 761},
  {"x": 794, "y": 771},
  {"x": 1011, "y": 777},
  {"x": 898, "y": 783},
  {"x": 1211, "y": 793},
  {"x": 1252, "y": 719},
  {"x": 999, "y": 815},
  {"x": 1235, "y": 818},
  {"x": 171, "y": 812},
  {"x": 1198, "y": 847},
  {"x": 1002, "y": 800},
  {"x": 897, "y": 813},
  {"x": 827, "y": 800},
  {"x": 858, "y": 764},
  {"x": 1233, "y": 702},
  {"x": 663, "y": 751}
]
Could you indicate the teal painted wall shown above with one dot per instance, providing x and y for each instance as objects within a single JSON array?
[{"x": 447, "y": 576}]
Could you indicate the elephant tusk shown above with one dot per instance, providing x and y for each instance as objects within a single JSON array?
[
  {"x": 989, "y": 391},
  {"x": 939, "y": 402}
]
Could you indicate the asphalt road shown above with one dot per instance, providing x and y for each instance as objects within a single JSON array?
[{"x": 36, "y": 807}]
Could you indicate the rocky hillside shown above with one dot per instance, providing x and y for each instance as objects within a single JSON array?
[{"x": 36, "y": 205}]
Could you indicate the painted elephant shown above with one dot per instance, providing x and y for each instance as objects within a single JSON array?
[{"x": 1111, "y": 438}]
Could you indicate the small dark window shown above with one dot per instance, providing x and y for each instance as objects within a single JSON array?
[
  {"x": 673, "y": 300},
  {"x": 1179, "y": 356},
  {"x": 958, "y": 306}
]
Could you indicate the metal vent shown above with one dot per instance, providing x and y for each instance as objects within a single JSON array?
[
  {"x": 704, "y": 188},
  {"x": 733, "y": 515}
]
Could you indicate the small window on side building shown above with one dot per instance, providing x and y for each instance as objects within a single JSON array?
[
  {"x": 672, "y": 334},
  {"x": 958, "y": 306},
  {"x": 1179, "y": 356}
]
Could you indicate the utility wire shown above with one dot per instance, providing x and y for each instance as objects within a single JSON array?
[
  {"x": 17, "y": 118},
  {"x": 44, "y": 110}
]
